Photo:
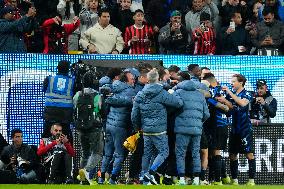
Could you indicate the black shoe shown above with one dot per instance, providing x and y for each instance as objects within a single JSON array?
[
  {"x": 69, "y": 181},
  {"x": 168, "y": 181}
]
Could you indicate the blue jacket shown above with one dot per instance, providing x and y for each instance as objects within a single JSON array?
[
  {"x": 149, "y": 108},
  {"x": 12, "y": 35},
  {"x": 194, "y": 111},
  {"x": 120, "y": 105},
  {"x": 59, "y": 91}
]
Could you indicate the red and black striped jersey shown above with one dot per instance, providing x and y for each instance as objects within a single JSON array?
[
  {"x": 144, "y": 35},
  {"x": 204, "y": 42}
]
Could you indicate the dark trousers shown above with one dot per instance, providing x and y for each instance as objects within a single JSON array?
[
  {"x": 60, "y": 167},
  {"x": 136, "y": 159}
]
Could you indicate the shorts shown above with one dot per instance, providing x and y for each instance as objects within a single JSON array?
[
  {"x": 237, "y": 144},
  {"x": 204, "y": 140},
  {"x": 218, "y": 138}
]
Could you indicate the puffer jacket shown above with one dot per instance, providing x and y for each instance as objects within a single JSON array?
[
  {"x": 120, "y": 105},
  {"x": 195, "y": 110},
  {"x": 149, "y": 108}
]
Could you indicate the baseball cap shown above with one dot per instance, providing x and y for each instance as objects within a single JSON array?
[
  {"x": 7, "y": 9},
  {"x": 175, "y": 13},
  {"x": 260, "y": 82}
]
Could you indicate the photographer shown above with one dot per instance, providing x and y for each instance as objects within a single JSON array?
[
  {"x": 264, "y": 106},
  {"x": 58, "y": 153},
  {"x": 20, "y": 159}
]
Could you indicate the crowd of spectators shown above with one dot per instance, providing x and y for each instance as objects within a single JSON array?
[{"x": 201, "y": 27}]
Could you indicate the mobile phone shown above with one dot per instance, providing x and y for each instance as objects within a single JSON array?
[{"x": 232, "y": 25}]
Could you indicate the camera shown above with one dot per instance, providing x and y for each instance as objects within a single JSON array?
[{"x": 58, "y": 135}]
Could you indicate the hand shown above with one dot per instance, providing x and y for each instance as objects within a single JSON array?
[
  {"x": 156, "y": 29},
  {"x": 230, "y": 30},
  {"x": 64, "y": 139},
  {"x": 224, "y": 2},
  {"x": 31, "y": 12},
  {"x": 225, "y": 88},
  {"x": 13, "y": 160},
  {"x": 57, "y": 20},
  {"x": 114, "y": 52},
  {"x": 175, "y": 26},
  {"x": 58, "y": 141},
  {"x": 134, "y": 39},
  {"x": 253, "y": 32},
  {"x": 221, "y": 99},
  {"x": 75, "y": 19},
  {"x": 243, "y": 3},
  {"x": 92, "y": 49},
  {"x": 260, "y": 100},
  {"x": 267, "y": 41}
]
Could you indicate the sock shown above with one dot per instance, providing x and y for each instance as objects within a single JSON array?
[
  {"x": 252, "y": 167},
  {"x": 103, "y": 175},
  {"x": 182, "y": 179},
  {"x": 211, "y": 169},
  {"x": 202, "y": 174},
  {"x": 113, "y": 177},
  {"x": 223, "y": 169},
  {"x": 217, "y": 168},
  {"x": 234, "y": 168}
]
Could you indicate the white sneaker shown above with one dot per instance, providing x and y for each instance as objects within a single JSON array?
[
  {"x": 204, "y": 182},
  {"x": 195, "y": 181},
  {"x": 181, "y": 182}
]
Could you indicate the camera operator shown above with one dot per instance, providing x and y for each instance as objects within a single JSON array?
[
  {"x": 264, "y": 106},
  {"x": 20, "y": 159},
  {"x": 58, "y": 152}
]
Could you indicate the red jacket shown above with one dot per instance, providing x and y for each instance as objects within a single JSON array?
[
  {"x": 55, "y": 41},
  {"x": 48, "y": 147}
]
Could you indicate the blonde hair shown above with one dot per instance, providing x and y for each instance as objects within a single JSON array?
[{"x": 153, "y": 76}]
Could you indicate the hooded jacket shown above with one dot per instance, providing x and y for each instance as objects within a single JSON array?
[
  {"x": 120, "y": 104},
  {"x": 194, "y": 111},
  {"x": 149, "y": 109}
]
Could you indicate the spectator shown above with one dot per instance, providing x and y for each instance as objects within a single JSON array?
[
  {"x": 251, "y": 23},
  {"x": 270, "y": 32},
  {"x": 102, "y": 38},
  {"x": 277, "y": 8},
  {"x": 58, "y": 103},
  {"x": 122, "y": 16},
  {"x": 192, "y": 18},
  {"x": 56, "y": 35},
  {"x": 68, "y": 9},
  {"x": 12, "y": 31},
  {"x": 151, "y": 118},
  {"x": 89, "y": 15},
  {"x": 188, "y": 128},
  {"x": 46, "y": 9},
  {"x": 229, "y": 6},
  {"x": 14, "y": 4},
  {"x": 264, "y": 106},
  {"x": 138, "y": 36},
  {"x": 20, "y": 158},
  {"x": 204, "y": 70},
  {"x": 204, "y": 37},
  {"x": 235, "y": 40},
  {"x": 173, "y": 37},
  {"x": 136, "y": 4},
  {"x": 174, "y": 71},
  {"x": 58, "y": 151}
]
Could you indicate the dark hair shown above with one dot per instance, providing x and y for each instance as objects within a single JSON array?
[
  {"x": 90, "y": 80},
  {"x": 63, "y": 67},
  {"x": 267, "y": 10},
  {"x": 208, "y": 76},
  {"x": 233, "y": 14},
  {"x": 142, "y": 65},
  {"x": 103, "y": 10},
  {"x": 190, "y": 67},
  {"x": 14, "y": 131},
  {"x": 184, "y": 76},
  {"x": 144, "y": 72},
  {"x": 174, "y": 68},
  {"x": 114, "y": 72},
  {"x": 240, "y": 78},
  {"x": 204, "y": 16},
  {"x": 161, "y": 72},
  {"x": 138, "y": 11},
  {"x": 124, "y": 77}
]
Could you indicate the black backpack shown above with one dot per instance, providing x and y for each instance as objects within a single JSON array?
[{"x": 87, "y": 112}]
